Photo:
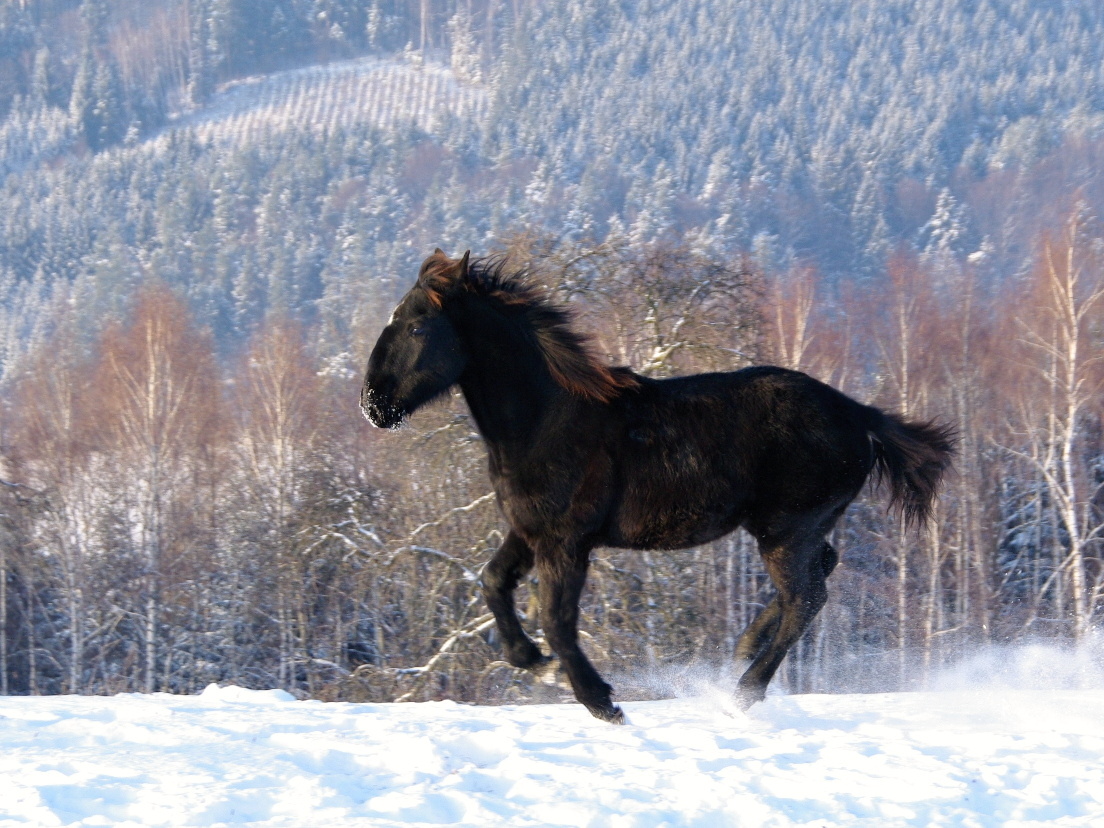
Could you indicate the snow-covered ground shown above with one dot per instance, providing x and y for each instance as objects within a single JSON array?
[{"x": 979, "y": 756}]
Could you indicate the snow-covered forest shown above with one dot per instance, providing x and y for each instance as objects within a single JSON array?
[{"x": 211, "y": 205}]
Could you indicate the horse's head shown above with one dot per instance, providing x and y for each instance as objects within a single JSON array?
[{"x": 419, "y": 355}]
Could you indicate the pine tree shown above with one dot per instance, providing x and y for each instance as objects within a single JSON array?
[
  {"x": 201, "y": 71},
  {"x": 106, "y": 122},
  {"x": 81, "y": 100}
]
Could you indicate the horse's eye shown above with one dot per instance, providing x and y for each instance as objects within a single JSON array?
[{"x": 417, "y": 330}]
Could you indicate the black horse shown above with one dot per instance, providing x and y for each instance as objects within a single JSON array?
[{"x": 583, "y": 455}]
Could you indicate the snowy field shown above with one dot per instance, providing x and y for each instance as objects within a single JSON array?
[{"x": 960, "y": 756}]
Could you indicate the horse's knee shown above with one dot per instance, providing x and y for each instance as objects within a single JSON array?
[
  {"x": 497, "y": 578},
  {"x": 504, "y": 571}
]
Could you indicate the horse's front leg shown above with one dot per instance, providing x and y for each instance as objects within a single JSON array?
[
  {"x": 501, "y": 576},
  {"x": 562, "y": 573}
]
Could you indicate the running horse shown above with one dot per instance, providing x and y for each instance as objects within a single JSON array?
[{"x": 583, "y": 454}]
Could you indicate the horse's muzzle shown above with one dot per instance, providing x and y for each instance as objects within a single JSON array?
[{"x": 378, "y": 412}]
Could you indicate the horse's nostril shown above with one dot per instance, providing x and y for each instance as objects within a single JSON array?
[
  {"x": 367, "y": 400},
  {"x": 377, "y": 408},
  {"x": 370, "y": 409}
]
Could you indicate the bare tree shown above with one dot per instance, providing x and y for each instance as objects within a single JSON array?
[
  {"x": 790, "y": 324},
  {"x": 282, "y": 423},
  {"x": 156, "y": 399},
  {"x": 57, "y": 458},
  {"x": 1058, "y": 327}
]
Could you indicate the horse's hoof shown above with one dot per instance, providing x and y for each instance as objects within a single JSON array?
[
  {"x": 612, "y": 714},
  {"x": 744, "y": 699}
]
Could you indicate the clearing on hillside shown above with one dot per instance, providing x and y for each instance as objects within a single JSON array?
[{"x": 383, "y": 93}]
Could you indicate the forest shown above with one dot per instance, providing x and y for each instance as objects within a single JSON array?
[{"x": 901, "y": 200}]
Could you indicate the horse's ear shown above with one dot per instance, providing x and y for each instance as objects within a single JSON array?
[
  {"x": 462, "y": 268},
  {"x": 438, "y": 251}
]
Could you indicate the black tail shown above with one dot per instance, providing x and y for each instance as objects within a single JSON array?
[{"x": 912, "y": 457}]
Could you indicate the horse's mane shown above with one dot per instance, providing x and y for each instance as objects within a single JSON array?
[{"x": 567, "y": 352}]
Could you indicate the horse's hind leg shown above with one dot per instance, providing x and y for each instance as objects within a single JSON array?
[
  {"x": 501, "y": 576},
  {"x": 829, "y": 557},
  {"x": 798, "y": 567},
  {"x": 561, "y": 585},
  {"x": 761, "y": 630}
]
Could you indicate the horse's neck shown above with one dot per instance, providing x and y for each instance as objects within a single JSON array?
[
  {"x": 507, "y": 409},
  {"x": 508, "y": 390}
]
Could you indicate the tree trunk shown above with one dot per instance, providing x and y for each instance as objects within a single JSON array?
[
  {"x": 32, "y": 638},
  {"x": 151, "y": 639},
  {"x": 3, "y": 620},
  {"x": 902, "y": 610}
]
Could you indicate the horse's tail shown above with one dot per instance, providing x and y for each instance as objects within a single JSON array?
[{"x": 911, "y": 457}]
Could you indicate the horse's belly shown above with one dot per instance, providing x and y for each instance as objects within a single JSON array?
[{"x": 675, "y": 517}]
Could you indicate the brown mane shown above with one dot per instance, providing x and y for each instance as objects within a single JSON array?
[
  {"x": 567, "y": 353},
  {"x": 437, "y": 274}
]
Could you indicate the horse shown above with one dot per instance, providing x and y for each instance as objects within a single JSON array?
[{"x": 582, "y": 454}]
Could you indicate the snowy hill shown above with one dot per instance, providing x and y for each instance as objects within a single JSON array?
[
  {"x": 382, "y": 93},
  {"x": 233, "y": 756}
]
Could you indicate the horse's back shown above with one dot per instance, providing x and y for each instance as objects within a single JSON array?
[
  {"x": 701, "y": 454},
  {"x": 816, "y": 451}
]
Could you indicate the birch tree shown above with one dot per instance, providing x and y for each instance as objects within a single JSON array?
[
  {"x": 57, "y": 458},
  {"x": 912, "y": 317},
  {"x": 280, "y": 428},
  {"x": 1060, "y": 329},
  {"x": 157, "y": 399}
]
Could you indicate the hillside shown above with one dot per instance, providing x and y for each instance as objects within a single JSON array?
[{"x": 827, "y": 137}]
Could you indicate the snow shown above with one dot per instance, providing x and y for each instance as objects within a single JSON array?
[{"x": 973, "y": 754}]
